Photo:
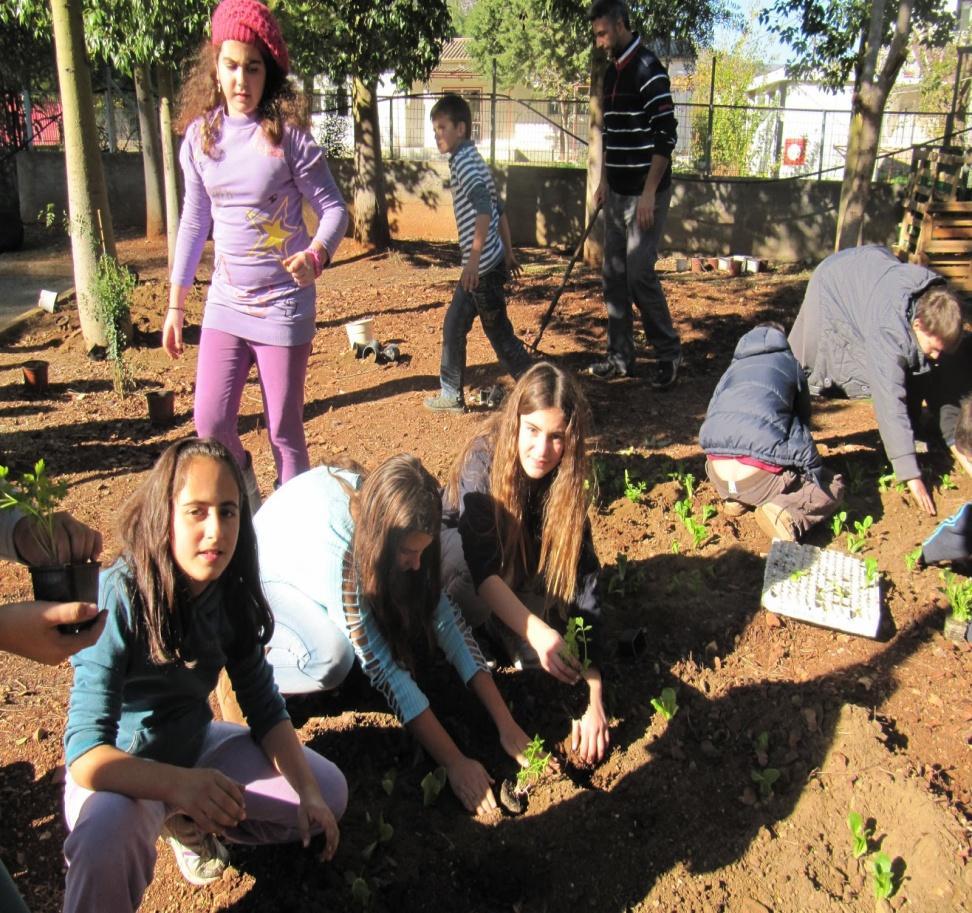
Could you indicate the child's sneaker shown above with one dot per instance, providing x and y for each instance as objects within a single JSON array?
[
  {"x": 734, "y": 508},
  {"x": 202, "y": 859},
  {"x": 443, "y": 403}
]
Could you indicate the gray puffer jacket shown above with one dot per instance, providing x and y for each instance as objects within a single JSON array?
[
  {"x": 853, "y": 337},
  {"x": 761, "y": 407}
]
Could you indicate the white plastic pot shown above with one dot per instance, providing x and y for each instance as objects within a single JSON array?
[{"x": 361, "y": 331}]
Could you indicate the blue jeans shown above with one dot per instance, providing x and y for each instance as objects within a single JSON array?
[
  {"x": 489, "y": 303},
  {"x": 629, "y": 276}
]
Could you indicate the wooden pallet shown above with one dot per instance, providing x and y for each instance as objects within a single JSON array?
[
  {"x": 945, "y": 243},
  {"x": 937, "y": 176}
]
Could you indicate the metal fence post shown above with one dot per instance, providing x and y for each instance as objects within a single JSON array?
[
  {"x": 492, "y": 121},
  {"x": 708, "y": 135},
  {"x": 391, "y": 126},
  {"x": 823, "y": 146}
]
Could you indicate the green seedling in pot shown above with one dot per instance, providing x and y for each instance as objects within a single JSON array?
[
  {"x": 432, "y": 785},
  {"x": 883, "y": 882},
  {"x": 37, "y": 497},
  {"x": 837, "y": 522},
  {"x": 947, "y": 483},
  {"x": 799, "y": 574},
  {"x": 537, "y": 759},
  {"x": 860, "y": 834},
  {"x": 857, "y": 539},
  {"x": 765, "y": 779},
  {"x": 871, "y": 572},
  {"x": 911, "y": 558},
  {"x": 666, "y": 705},
  {"x": 958, "y": 592},
  {"x": 633, "y": 491},
  {"x": 576, "y": 640},
  {"x": 384, "y": 833}
]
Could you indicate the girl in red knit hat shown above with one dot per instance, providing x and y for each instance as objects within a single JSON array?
[{"x": 249, "y": 164}]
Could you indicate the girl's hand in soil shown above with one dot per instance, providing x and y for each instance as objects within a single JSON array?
[
  {"x": 172, "y": 331},
  {"x": 210, "y": 798},
  {"x": 589, "y": 736},
  {"x": 471, "y": 784},
  {"x": 920, "y": 494},
  {"x": 312, "y": 813},
  {"x": 552, "y": 653},
  {"x": 30, "y": 629},
  {"x": 514, "y": 741}
]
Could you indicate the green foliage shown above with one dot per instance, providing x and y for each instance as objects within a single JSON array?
[
  {"x": 383, "y": 833},
  {"x": 871, "y": 572},
  {"x": 666, "y": 704},
  {"x": 388, "y": 781},
  {"x": 947, "y": 483},
  {"x": 889, "y": 480},
  {"x": 114, "y": 287},
  {"x": 859, "y": 833},
  {"x": 837, "y": 522},
  {"x": 361, "y": 892},
  {"x": 675, "y": 548},
  {"x": 432, "y": 784},
  {"x": 37, "y": 497},
  {"x": 537, "y": 760},
  {"x": 857, "y": 539},
  {"x": 576, "y": 640},
  {"x": 765, "y": 779},
  {"x": 883, "y": 881},
  {"x": 856, "y": 478},
  {"x": 957, "y": 590},
  {"x": 633, "y": 491},
  {"x": 698, "y": 531},
  {"x": 708, "y": 512},
  {"x": 683, "y": 508},
  {"x": 624, "y": 580},
  {"x": 799, "y": 573},
  {"x": 686, "y": 480},
  {"x": 911, "y": 558}
]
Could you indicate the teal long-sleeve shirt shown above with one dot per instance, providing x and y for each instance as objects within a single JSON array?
[{"x": 161, "y": 712}]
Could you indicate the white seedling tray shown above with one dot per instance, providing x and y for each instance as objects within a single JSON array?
[{"x": 822, "y": 587}]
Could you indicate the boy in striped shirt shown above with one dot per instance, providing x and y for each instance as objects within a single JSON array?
[{"x": 487, "y": 258}]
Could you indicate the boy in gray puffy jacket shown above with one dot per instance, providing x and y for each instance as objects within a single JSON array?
[{"x": 757, "y": 440}]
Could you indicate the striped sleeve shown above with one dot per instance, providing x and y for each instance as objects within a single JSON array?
[
  {"x": 473, "y": 193},
  {"x": 656, "y": 95}
]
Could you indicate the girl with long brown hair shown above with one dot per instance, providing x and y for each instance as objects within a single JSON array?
[
  {"x": 350, "y": 565},
  {"x": 249, "y": 166},
  {"x": 517, "y": 548}
]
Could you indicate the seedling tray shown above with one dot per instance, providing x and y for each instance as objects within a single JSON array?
[{"x": 822, "y": 587}]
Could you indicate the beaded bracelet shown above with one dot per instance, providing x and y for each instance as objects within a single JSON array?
[{"x": 318, "y": 269}]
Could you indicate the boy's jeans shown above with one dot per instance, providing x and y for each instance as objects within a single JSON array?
[{"x": 489, "y": 303}]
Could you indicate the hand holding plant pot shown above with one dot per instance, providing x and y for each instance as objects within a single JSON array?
[{"x": 35, "y": 629}]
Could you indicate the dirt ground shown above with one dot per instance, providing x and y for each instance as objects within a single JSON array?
[{"x": 674, "y": 818}]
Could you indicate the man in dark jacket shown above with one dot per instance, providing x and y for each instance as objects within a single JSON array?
[
  {"x": 757, "y": 438},
  {"x": 867, "y": 327}
]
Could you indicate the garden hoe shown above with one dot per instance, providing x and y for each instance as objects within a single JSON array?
[{"x": 563, "y": 284}]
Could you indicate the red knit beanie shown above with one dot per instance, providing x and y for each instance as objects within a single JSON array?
[{"x": 252, "y": 23}]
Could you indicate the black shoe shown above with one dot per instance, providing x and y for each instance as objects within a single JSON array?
[
  {"x": 666, "y": 373},
  {"x": 609, "y": 369}
]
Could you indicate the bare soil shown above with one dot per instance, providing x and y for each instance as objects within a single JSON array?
[{"x": 673, "y": 819}]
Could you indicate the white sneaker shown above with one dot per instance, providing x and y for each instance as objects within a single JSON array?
[{"x": 202, "y": 859}]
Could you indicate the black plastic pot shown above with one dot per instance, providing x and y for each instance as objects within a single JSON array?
[
  {"x": 66, "y": 582},
  {"x": 161, "y": 406},
  {"x": 35, "y": 376}
]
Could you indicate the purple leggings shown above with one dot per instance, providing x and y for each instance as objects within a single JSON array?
[
  {"x": 110, "y": 850},
  {"x": 223, "y": 365}
]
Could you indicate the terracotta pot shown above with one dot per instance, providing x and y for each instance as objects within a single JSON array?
[
  {"x": 66, "y": 582},
  {"x": 734, "y": 267},
  {"x": 161, "y": 406},
  {"x": 712, "y": 262},
  {"x": 35, "y": 376},
  {"x": 696, "y": 264}
]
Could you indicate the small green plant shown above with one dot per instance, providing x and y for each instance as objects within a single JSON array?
[
  {"x": 708, "y": 512},
  {"x": 765, "y": 779},
  {"x": 114, "y": 286},
  {"x": 856, "y": 478},
  {"x": 388, "y": 781},
  {"x": 624, "y": 580},
  {"x": 888, "y": 481},
  {"x": 432, "y": 785},
  {"x": 883, "y": 882},
  {"x": 685, "y": 479},
  {"x": 576, "y": 640},
  {"x": 360, "y": 889},
  {"x": 911, "y": 558},
  {"x": 675, "y": 548},
  {"x": 857, "y": 539},
  {"x": 871, "y": 572},
  {"x": 537, "y": 760},
  {"x": 698, "y": 531},
  {"x": 859, "y": 833},
  {"x": 799, "y": 574},
  {"x": 683, "y": 508},
  {"x": 947, "y": 483},
  {"x": 666, "y": 704},
  {"x": 634, "y": 491},
  {"x": 761, "y": 748},
  {"x": 837, "y": 522},
  {"x": 384, "y": 833},
  {"x": 958, "y": 592},
  {"x": 37, "y": 497}
]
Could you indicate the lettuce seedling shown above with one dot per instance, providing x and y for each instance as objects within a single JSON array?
[
  {"x": 911, "y": 558},
  {"x": 685, "y": 479},
  {"x": 871, "y": 572},
  {"x": 837, "y": 522},
  {"x": 947, "y": 483},
  {"x": 537, "y": 760},
  {"x": 860, "y": 834},
  {"x": 432, "y": 784},
  {"x": 857, "y": 539},
  {"x": 633, "y": 490},
  {"x": 855, "y": 478},
  {"x": 890, "y": 480},
  {"x": 765, "y": 778},
  {"x": 958, "y": 592},
  {"x": 666, "y": 705},
  {"x": 675, "y": 548},
  {"x": 384, "y": 833},
  {"x": 698, "y": 531},
  {"x": 708, "y": 512},
  {"x": 883, "y": 883},
  {"x": 576, "y": 640},
  {"x": 799, "y": 573},
  {"x": 683, "y": 508}
]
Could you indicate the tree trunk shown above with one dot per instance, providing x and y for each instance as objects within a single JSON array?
[
  {"x": 594, "y": 248},
  {"x": 110, "y": 111},
  {"x": 370, "y": 204},
  {"x": 91, "y": 228},
  {"x": 151, "y": 154},
  {"x": 862, "y": 148},
  {"x": 164, "y": 81},
  {"x": 11, "y": 225}
]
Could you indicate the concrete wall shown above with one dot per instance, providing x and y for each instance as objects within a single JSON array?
[{"x": 781, "y": 220}]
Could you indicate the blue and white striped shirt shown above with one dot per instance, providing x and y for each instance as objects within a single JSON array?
[{"x": 473, "y": 194}]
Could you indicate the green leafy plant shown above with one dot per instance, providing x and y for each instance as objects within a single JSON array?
[
  {"x": 114, "y": 286},
  {"x": 683, "y": 508},
  {"x": 856, "y": 477},
  {"x": 625, "y": 579},
  {"x": 883, "y": 881},
  {"x": 698, "y": 531},
  {"x": 958, "y": 592},
  {"x": 384, "y": 833},
  {"x": 947, "y": 483},
  {"x": 761, "y": 748},
  {"x": 633, "y": 491},
  {"x": 859, "y": 833},
  {"x": 37, "y": 497},
  {"x": 871, "y": 572},
  {"x": 537, "y": 760},
  {"x": 889, "y": 480},
  {"x": 432, "y": 785},
  {"x": 911, "y": 558},
  {"x": 799, "y": 574},
  {"x": 666, "y": 704},
  {"x": 857, "y": 539},
  {"x": 708, "y": 512},
  {"x": 675, "y": 548},
  {"x": 837, "y": 522},
  {"x": 685, "y": 479},
  {"x": 576, "y": 640},
  {"x": 388, "y": 781},
  {"x": 361, "y": 892},
  {"x": 765, "y": 779}
]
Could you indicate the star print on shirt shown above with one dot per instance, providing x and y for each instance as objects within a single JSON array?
[{"x": 275, "y": 229}]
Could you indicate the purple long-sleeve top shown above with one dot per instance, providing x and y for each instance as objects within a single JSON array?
[{"x": 251, "y": 195}]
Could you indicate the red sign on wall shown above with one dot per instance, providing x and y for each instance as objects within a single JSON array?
[{"x": 795, "y": 151}]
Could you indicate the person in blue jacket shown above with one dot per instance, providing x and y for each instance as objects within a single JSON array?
[{"x": 756, "y": 436}]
